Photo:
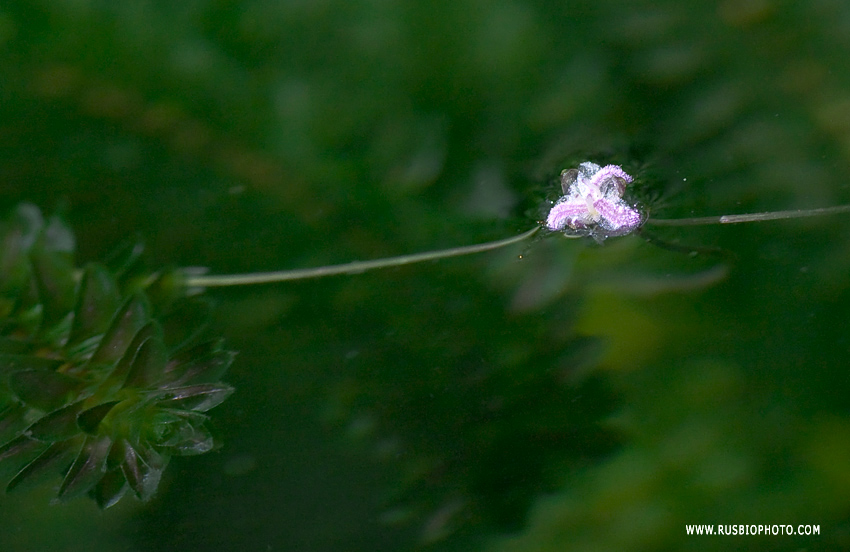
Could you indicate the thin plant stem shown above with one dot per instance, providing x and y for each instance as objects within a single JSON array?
[
  {"x": 355, "y": 267},
  {"x": 751, "y": 217}
]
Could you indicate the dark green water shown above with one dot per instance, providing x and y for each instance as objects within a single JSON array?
[{"x": 584, "y": 398}]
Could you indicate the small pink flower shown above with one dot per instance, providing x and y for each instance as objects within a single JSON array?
[{"x": 592, "y": 204}]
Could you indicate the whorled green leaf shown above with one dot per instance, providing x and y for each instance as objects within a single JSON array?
[
  {"x": 46, "y": 465},
  {"x": 126, "y": 322},
  {"x": 44, "y": 389},
  {"x": 148, "y": 365},
  {"x": 17, "y": 453},
  {"x": 89, "y": 420},
  {"x": 142, "y": 467},
  {"x": 109, "y": 490},
  {"x": 204, "y": 363},
  {"x": 119, "y": 374},
  {"x": 13, "y": 420},
  {"x": 200, "y": 398},
  {"x": 97, "y": 301},
  {"x": 88, "y": 468},
  {"x": 58, "y": 425},
  {"x": 187, "y": 437},
  {"x": 117, "y": 377}
]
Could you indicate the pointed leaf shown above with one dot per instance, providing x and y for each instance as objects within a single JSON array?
[
  {"x": 204, "y": 363},
  {"x": 118, "y": 377},
  {"x": 199, "y": 398},
  {"x": 143, "y": 469},
  {"x": 125, "y": 324},
  {"x": 160, "y": 423},
  {"x": 17, "y": 453},
  {"x": 187, "y": 438},
  {"x": 43, "y": 389},
  {"x": 150, "y": 456},
  {"x": 110, "y": 489},
  {"x": 148, "y": 365},
  {"x": 54, "y": 275},
  {"x": 89, "y": 420},
  {"x": 97, "y": 302},
  {"x": 116, "y": 455},
  {"x": 58, "y": 425},
  {"x": 87, "y": 469},
  {"x": 18, "y": 446},
  {"x": 45, "y": 466},
  {"x": 13, "y": 420}
]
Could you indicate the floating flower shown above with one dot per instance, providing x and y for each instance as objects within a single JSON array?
[{"x": 593, "y": 204}]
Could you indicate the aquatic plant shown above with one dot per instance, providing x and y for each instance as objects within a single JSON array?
[{"x": 101, "y": 375}]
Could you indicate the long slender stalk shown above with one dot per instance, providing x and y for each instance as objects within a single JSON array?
[
  {"x": 355, "y": 267},
  {"x": 751, "y": 217}
]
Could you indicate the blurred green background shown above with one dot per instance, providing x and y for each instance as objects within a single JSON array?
[{"x": 582, "y": 398}]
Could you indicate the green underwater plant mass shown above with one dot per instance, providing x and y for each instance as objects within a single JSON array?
[{"x": 102, "y": 380}]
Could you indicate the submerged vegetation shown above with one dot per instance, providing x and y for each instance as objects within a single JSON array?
[{"x": 101, "y": 377}]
